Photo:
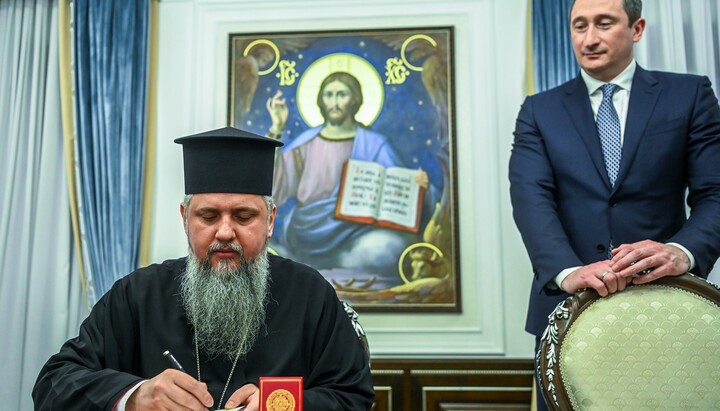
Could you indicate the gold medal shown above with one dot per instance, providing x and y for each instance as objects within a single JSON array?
[{"x": 280, "y": 400}]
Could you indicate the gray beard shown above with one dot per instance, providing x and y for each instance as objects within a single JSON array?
[{"x": 225, "y": 306}]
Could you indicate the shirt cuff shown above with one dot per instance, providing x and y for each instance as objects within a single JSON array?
[
  {"x": 124, "y": 399},
  {"x": 687, "y": 252},
  {"x": 563, "y": 274},
  {"x": 566, "y": 272}
]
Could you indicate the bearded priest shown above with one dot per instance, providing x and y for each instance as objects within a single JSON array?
[{"x": 229, "y": 312}]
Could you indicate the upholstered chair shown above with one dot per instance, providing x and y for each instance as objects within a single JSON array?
[{"x": 650, "y": 347}]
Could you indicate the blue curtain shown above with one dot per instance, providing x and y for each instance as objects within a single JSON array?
[
  {"x": 553, "y": 59},
  {"x": 110, "y": 43}
]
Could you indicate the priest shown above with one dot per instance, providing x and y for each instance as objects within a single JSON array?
[{"x": 199, "y": 331}]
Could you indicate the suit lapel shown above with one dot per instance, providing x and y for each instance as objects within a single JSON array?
[
  {"x": 578, "y": 106},
  {"x": 643, "y": 97}
]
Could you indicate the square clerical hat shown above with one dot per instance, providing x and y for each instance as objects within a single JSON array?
[{"x": 228, "y": 160}]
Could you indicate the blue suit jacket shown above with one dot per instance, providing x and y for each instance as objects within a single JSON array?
[{"x": 563, "y": 203}]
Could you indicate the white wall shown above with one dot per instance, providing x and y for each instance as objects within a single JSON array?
[{"x": 489, "y": 61}]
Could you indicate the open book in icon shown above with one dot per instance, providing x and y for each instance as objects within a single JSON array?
[{"x": 373, "y": 194}]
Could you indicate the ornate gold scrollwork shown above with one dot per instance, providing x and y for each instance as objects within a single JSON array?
[
  {"x": 395, "y": 71},
  {"x": 287, "y": 74}
]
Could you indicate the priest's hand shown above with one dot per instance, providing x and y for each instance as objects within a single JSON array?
[
  {"x": 170, "y": 390},
  {"x": 247, "y": 395}
]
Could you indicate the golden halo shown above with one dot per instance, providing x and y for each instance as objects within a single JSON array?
[
  {"x": 370, "y": 83},
  {"x": 407, "y": 251},
  {"x": 272, "y": 46},
  {"x": 405, "y": 44}
]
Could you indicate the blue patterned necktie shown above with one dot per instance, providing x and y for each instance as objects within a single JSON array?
[{"x": 608, "y": 125}]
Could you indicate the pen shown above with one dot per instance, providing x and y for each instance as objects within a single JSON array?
[{"x": 175, "y": 364}]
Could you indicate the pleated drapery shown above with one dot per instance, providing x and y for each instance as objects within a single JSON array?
[
  {"x": 553, "y": 59},
  {"x": 110, "y": 58},
  {"x": 40, "y": 295}
]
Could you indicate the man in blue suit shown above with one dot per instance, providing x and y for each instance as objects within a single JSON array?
[{"x": 588, "y": 224}]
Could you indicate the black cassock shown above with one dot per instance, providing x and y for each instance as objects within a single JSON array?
[{"x": 307, "y": 334}]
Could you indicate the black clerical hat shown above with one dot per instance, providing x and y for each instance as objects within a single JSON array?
[{"x": 228, "y": 160}]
